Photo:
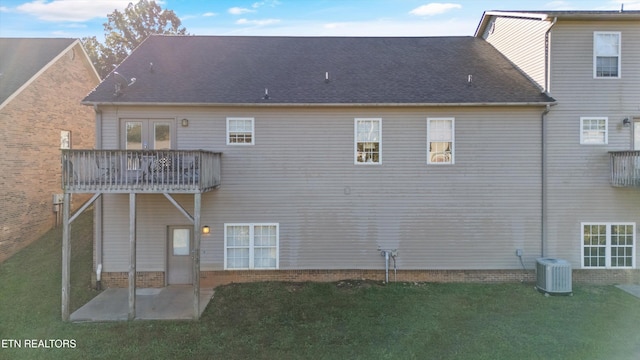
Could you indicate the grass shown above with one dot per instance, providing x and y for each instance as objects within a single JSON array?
[{"x": 343, "y": 320}]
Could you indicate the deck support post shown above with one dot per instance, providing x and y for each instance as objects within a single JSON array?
[
  {"x": 197, "y": 201},
  {"x": 132, "y": 254},
  {"x": 66, "y": 256}
]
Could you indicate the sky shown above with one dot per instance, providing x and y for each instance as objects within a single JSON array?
[{"x": 80, "y": 18}]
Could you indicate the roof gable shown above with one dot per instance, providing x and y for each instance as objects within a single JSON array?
[
  {"x": 317, "y": 70},
  {"x": 21, "y": 59}
]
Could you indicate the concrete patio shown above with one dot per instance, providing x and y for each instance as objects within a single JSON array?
[
  {"x": 631, "y": 289},
  {"x": 168, "y": 303}
]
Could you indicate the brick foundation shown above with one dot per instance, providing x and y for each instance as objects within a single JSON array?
[
  {"x": 606, "y": 277},
  {"x": 216, "y": 278},
  {"x": 156, "y": 279},
  {"x": 147, "y": 279}
]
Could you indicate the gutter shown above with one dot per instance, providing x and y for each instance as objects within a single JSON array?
[{"x": 301, "y": 105}]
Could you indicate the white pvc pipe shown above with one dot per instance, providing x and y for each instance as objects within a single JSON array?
[
  {"x": 98, "y": 272},
  {"x": 386, "y": 266}
]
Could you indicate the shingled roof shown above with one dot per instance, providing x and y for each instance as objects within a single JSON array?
[
  {"x": 317, "y": 70},
  {"x": 22, "y": 58}
]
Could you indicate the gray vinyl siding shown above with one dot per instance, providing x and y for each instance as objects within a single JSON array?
[
  {"x": 522, "y": 42},
  {"x": 578, "y": 175},
  {"x": 333, "y": 214}
]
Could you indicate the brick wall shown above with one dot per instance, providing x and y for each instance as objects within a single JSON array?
[
  {"x": 605, "y": 277},
  {"x": 30, "y": 128},
  {"x": 147, "y": 279},
  {"x": 216, "y": 278},
  {"x": 212, "y": 279}
]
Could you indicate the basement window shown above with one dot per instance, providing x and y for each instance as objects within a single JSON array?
[
  {"x": 608, "y": 245},
  {"x": 251, "y": 246}
]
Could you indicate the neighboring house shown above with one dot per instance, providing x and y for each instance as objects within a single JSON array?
[
  {"x": 235, "y": 159},
  {"x": 42, "y": 82},
  {"x": 589, "y": 61}
]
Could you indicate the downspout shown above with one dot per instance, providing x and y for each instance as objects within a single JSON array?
[
  {"x": 547, "y": 85},
  {"x": 547, "y": 66},
  {"x": 97, "y": 208},
  {"x": 543, "y": 184}
]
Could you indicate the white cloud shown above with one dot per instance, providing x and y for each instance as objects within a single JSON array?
[
  {"x": 239, "y": 11},
  {"x": 434, "y": 9},
  {"x": 262, "y": 22},
  {"x": 71, "y": 10},
  {"x": 209, "y": 14},
  {"x": 271, "y": 3},
  {"x": 4, "y": 9}
]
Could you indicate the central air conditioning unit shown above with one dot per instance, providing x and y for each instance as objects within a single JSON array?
[{"x": 553, "y": 276}]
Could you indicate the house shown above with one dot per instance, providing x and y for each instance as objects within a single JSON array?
[
  {"x": 589, "y": 62},
  {"x": 41, "y": 84},
  {"x": 234, "y": 159}
]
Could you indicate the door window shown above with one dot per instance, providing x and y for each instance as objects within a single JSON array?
[
  {"x": 133, "y": 137},
  {"x": 181, "y": 242}
]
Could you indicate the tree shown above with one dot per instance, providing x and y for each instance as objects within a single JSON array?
[{"x": 124, "y": 31}]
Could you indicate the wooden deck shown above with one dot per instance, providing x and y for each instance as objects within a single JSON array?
[
  {"x": 625, "y": 168},
  {"x": 140, "y": 171}
]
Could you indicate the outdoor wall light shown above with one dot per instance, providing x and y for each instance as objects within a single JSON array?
[
  {"x": 626, "y": 122},
  {"x": 185, "y": 122},
  {"x": 206, "y": 229}
]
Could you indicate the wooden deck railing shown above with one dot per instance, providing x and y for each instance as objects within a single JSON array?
[
  {"x": 149, "y": 171},
  {"x": 625, "y": 168}
]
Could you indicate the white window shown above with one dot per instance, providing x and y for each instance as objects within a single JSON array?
[
  {"x": 594, "y": 130},
  {"x": 251, "y": 246},
  {"x": 606, "y": 54},
  {"x": 440, "y": 140},
  {"x": 240, "y": 131},
  {"x": 608, "y": 245},
  {"x": 368, "y": 141}
]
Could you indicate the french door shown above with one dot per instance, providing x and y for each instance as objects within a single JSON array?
[
  {"x": 148, "y": 134},
  {"x": 145, "y": 134}
]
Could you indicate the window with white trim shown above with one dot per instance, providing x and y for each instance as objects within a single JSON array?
[
  {"x": 251, "y": 246},
  {"x": 606, "y": 54},
  {"x": 368, "y": 141},
  {"x": 240, "y": 131},
  {"x": 608, "y": 245},
  {"x": 440, "y": 140},
  {"x": 594, "y": 130}
]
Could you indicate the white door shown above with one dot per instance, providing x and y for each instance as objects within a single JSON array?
[{"x": 179, "y": 259}]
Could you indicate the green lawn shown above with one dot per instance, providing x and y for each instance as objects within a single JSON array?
[{"x": 344, "y": 320}]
